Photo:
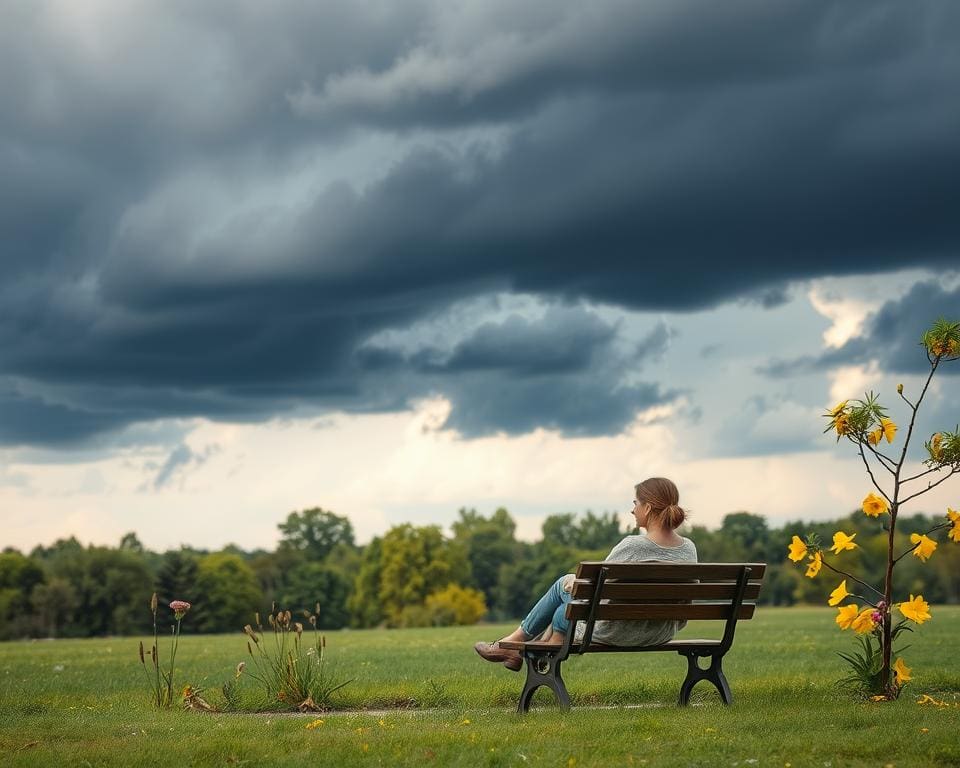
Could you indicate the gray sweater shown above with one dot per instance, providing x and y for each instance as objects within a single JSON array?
[{"x": 649, "y": 631}]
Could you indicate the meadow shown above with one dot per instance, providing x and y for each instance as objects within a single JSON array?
[{"x": 422, "y": 697}]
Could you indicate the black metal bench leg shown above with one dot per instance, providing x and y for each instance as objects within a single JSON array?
[
  {"x": 695, "y": 673},
  {"x": 543, "y": 670}
]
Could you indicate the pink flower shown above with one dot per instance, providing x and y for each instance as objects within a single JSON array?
[
  {"x": 876, "y": 616},
  {"x": 179, "y": 608}
]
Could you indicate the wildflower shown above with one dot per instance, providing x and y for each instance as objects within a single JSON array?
[
  {"x": 874, "y": 437},
  {"x": 916, "y": 609},
  {"x": 240, "y": 667},
  {"x": 936, "y": 447},
  {"x": 954, "y": 533},
  {"x": 923, "y": 546},
  {"x": 874, "y": 506},
  {"x": 846, "y": 616},
  {"x": 798, "y": 549},
  {"x": 838, "y": 409},
  {"x": 839, "y": 594},
  {"x": 298, "y": 627},
  {"x": 250, "y": 633},
  {"x": 314, "y": 725},
  {"x": 816, "y": 562},
  {"x": 842, "y": 541},
  {"x": 889, "y": 429},
  {"x": 899, "y": 389},
  {"x": 842, "y": 424},
  {"x": 901, "y": 672},
  {"x": 153, "y": 603},
  {"x": 864, "y": 622},
  {"x": 179, "y": 608},
  {"x": 877, "y": 617}
]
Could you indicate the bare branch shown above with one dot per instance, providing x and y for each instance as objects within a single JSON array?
[
  {"x": 903, "y": 397},
  {"x": 913, "y": 417},
  {"x": 882, "y": 458},
  {"x": 849, "y": 576},
  {"x": 921, "y": 474},
  {"x": 930, "y": 486},
  {"x": 870, "y": 472}
]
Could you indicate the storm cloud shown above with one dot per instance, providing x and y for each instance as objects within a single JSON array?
[{"x": 212, "y": 210}]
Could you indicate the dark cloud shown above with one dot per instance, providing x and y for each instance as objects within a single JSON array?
[
  {"x": 180, "y": 459},
  {"x": 211, "y": 210},
  {"x": 891, "y": 337},
  {"x": 565, "y": 371}
]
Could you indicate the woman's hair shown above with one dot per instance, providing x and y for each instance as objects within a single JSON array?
[{"x": 664, "y": 500}]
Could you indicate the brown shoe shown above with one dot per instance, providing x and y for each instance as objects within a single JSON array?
[{"x": 512, "y": 660}]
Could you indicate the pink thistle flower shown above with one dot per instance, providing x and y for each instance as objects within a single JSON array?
[{"x": 179, "y": 608}]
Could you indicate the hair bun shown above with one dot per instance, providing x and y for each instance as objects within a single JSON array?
[{"x": 674, "y": 515}]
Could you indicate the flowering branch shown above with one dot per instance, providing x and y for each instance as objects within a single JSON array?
[{"x": 938, "y": 527}]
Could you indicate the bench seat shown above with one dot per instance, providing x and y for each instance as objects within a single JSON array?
[{"x": 617, "y": 591}]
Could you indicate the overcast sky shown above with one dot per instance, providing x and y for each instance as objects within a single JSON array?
[{"x": 394, "y": 258}]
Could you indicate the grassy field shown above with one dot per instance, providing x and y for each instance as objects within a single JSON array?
[{"x": 85, "y": 703}]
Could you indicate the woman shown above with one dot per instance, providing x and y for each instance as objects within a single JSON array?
[{"x": 656, "y": 509}]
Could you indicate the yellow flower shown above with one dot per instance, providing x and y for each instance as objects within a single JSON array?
[
  {"x": 846, "y": 615},
  {"x": 935, "y": 446},
  {"x": 954, "y": 533},
  {"x": 874, "y": 437},
  {"x": 842, "y": 424},
  {"x": 916, "y": 609},
  {"x": 839, "y": 594},
  {"x": 889, "y": 429},
  {"x": 874, "y": 506},
  {"x": 864, "y": 622},
  {"x": 901, "y": 672},
  {"x": 838, "y": 409},
  {"x": 842, "y": 541},
  {"x": 923, "y": 546},
  {"x": 798, "y": 550},
  {"x": 314, "y": 725},
  {"x": 816, "y": 562}
]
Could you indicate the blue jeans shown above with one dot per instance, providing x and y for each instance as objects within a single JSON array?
[{"x": 549, "y": 610}]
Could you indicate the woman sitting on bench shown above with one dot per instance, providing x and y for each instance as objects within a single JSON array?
[{"x": 656, "y": 509}]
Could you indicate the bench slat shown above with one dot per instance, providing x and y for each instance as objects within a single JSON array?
[
  {"x": 657, "y": 571},
  {"x": 672, "y": 645},
  {"x": 632, "y": 611},
  {"x": 652, "y": 590}
]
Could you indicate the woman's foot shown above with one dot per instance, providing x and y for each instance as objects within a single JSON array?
[{"x": 512, "y": 660}]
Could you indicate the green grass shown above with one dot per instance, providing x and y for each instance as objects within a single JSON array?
[{"x": 448, "y": 707}]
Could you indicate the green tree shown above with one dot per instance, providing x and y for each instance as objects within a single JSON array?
[
  {"x": 18, "y": 577},
  {"x": 315, "y": 532},
  {"x": 318, "y": 583},
  {"x": 54, "y": 604},
  {"x": 177, "y": 576},
  {"x": 227, "y": 593},
  {"x": 364, "y": 604},
  {"x": 416, "y": 563},
  {"x": 489, "y": 544}
]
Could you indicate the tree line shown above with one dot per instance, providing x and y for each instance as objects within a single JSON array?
[{"x": 410, "y": 576}]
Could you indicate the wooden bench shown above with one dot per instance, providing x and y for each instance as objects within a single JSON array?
[{"x": 614, "y": 591}]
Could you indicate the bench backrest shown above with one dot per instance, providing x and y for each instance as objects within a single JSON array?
[{"x": 614, "y": 591}]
